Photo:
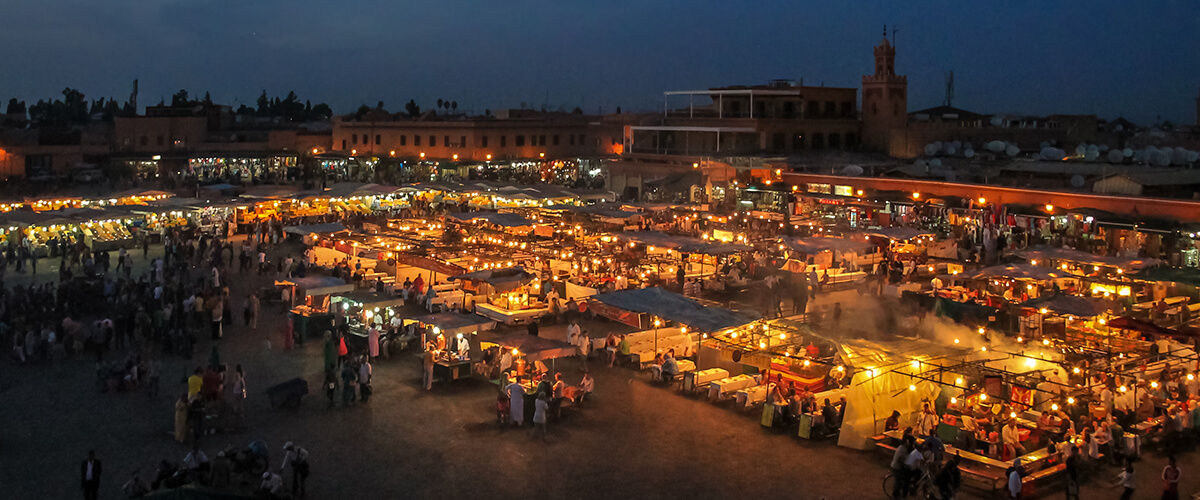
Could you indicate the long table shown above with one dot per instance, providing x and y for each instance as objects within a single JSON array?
[
  {"x": 509, "y": 316},
  {"x": 726, "y": 385}
]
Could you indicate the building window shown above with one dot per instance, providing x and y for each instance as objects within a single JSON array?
[
  {"x": 433, "y": 141},
  {"x": 343, "y": 144},
  {"x": 354, "y": 139},
  {"x": 830, "y": 108},
  {"x": 403, "y": 140},
  {"x": 378, "y": 139},
  {"x": 416, "y": 140},
  {"x": 483, "y": 141},
  {"x": 446, "y": 141},
  {"x": 571, "y": 138},
  {"x": 520, "y": 140},
  {"x": 814, "y": 109},
  {"x": 818, "y": 141},
  {"x": 847, "y": 109},
  {"x": 554, "y": 140},
  {"x": 789, "y": 109},
  {"x": 365, "y": 140},
  {"x": 462, "y": 141},
  {"x": 797, "y": 142},
  {"x": 503, "y": 140},
  {"x": 541, "y": 140},
  {"x": 777, "y": 142},
  {"x": 835, "y": 141},
  {"x": 874, "y": 109},
  {"x": 851, "y": 140}
]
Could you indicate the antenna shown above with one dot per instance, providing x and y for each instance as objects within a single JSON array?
[
  {"x": 949, "y": 89},
  {"x": 894, "y": 30}
]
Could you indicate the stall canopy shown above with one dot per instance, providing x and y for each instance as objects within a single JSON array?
[
  {"x": 370, "y": 300},
  {"x": 1067, "y": 304},
  {"x": 502, "y": 280},
  {"x": 534, "y": 348},
  {"x": 675, "y": 307},
  {"x": 684, "y": 243},
  {"x": 1127, "y": 323},
  {"x": 898, "y": 233},
  {"x": 1072, "y": 255},
  {"x": 811, "y": 245},
  {"x": 319, "y": 285},
  {"x": 505, "y": 219},
  {"x": 329, "y": 228},
  {"x": 1020, "y": 272},
  {"x": 453, "y": 323},
  {"x": 1187, "y": 276}
]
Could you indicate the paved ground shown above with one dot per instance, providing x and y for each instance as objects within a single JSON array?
[{"x": 634, "y": 440}]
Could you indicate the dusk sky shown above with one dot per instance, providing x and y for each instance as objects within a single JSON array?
[{"x": 1136, "y": 59}]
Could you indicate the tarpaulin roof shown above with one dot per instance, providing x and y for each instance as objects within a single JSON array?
[
  {"x": 331, "y": 227},
  {"x": 1069, "y": 254},
  {"x": 683, "y": 243},
  {"x": 1021, "y": 272},
  {"x": 675, "y": 307},
  {"x": 502, "y": 280},
  {"x": 370, "y": 300},
  {"x": 505, "y": 219},
  {"x": 1187, "y": 276},
  {"x": 1127, "y": 323},
  {"x": 534, "y": 348},
  {"x": 1066, "y": 304},
  {"x": 452, "y": 323},
  {"x": 812, "y": 245},
  {"x": 898, "y": 233},
  {"x": 319, "y": 285}
]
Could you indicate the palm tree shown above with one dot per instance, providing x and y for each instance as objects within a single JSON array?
[
  {"x": 439, "y": 103},
  {"x": 454, "y": 105}
]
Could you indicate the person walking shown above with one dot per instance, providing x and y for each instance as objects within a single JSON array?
[
  {"x": 349, "y": 380},
  {"x": 1170, "y": 477},
  {"x": 254, "y": 308},
  {"x": 364, "y": 379},
  {"x": 1127, "y": 481},
  {"x": 89, "y": 472},
  {"x": 296, "y": 457},
  {"x": 427, "y": 368},
  {"x": 540, "y": 408}
]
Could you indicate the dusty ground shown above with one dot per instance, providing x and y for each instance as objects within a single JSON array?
[{"x": 633, "y": 441}]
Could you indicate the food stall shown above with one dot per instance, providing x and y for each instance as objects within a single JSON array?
[
  {"x": 310, "y": 301},
  {"x": 456, "y": 340},
  {"x": 506, "y": 293},
  {"x": 362, "y": 309}
]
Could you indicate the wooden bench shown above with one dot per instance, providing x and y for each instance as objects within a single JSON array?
[{"x": 1044, "y": 473}]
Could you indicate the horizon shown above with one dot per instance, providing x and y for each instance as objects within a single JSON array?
[{"x": 598, "y": 57}]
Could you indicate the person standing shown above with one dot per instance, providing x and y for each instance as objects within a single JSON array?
[
  {"x": 349, "y": 380},
  {"x": 516, "y": 401},
  {"x": 153, "y": 376},
  {"x": 254, "y": 307},
  {"x": 373, "y": 342},
  {"x": 1170, "y": 477},
  {"x": 181, "y": 416},
  {"x": 297, "y": 458},
  {"x": 90, "y": 476},
  {"x": 237, "y": 390},
  {"x": 427, "y": 367}
]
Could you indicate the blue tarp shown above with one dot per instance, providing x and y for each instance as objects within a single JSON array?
[
  {"x": 332, "y": 227},
  {"x": 506, "y": 219},
  {"x": 683, "y": 243},
  {"x": 675, "y": 307}
]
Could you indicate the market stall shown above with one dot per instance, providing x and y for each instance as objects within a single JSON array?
[{"x": 309, "y": 298}]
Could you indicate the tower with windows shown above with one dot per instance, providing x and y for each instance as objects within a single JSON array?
[{"x": 884, "y": 99}]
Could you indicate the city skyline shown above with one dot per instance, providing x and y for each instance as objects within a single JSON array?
[{"x": 599, "y": 57}]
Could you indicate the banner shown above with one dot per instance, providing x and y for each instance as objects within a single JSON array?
[{"x": 579, "y": 291}]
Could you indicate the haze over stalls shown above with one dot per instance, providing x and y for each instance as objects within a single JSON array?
[{"x": 1134, "y": 59}]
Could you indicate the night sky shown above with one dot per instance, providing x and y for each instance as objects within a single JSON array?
[{"x": 1111, "y": 58}]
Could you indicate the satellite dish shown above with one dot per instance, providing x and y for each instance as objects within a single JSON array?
[
  {"x": 995, "y": 146},
  {"x": 996, "y": 121},
  {"x": 1012, "y": 150},
  {"x": 1077, "y": 181},
  {"x": 935, "y": 163},
  {"x": 970, "y": 153},
  {"x": 1103, "y": 148},
  {"x": 852, "y": 171},
  {"x": 1180, "y": 156},
  {"x": 1160, "y": 159},
  {"x": 921, "y": 164},
  {"x": 950, "y": 149},
  {"x": 931, "y": 149},
  {"x": 1091, "y": 155},
  {"x": 1049, "y": 153},
  {"x": 1115, "y": 156},
  {"x": 1080, "y": 150},
  {"x": 1193, "y": 156},
  {"x": 1128, "y": 153},
  {"x": 957, "y": 144}
]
